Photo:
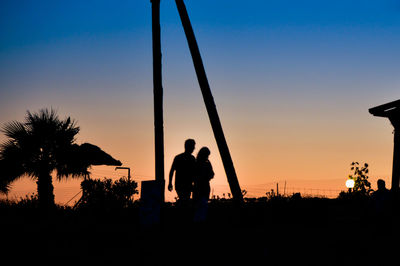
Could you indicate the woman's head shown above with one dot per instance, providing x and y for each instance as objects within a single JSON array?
[{"x": 203, "y": 154}]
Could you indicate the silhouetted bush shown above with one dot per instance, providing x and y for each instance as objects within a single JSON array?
[
  {"x": 107, "y": 194},
  {"x": 354, "y": 196},
  {"x": 30, "y": 201},
  {"x": 360, "y": 177}
]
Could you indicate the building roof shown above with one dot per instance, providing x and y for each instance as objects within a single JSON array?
[{"x": 386, "y": 110}]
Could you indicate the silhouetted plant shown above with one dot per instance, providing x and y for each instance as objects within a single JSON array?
[
  {"x": 270, "y": 194},
  {"x": 106, "y": 194},
  {"x": 40, "y": 145},
  {"x": 35, "y": 148},
  {"x": 29, "y": 201},
  {"x": 360, "y": 177},
  {"x": 296, "y": 196}
]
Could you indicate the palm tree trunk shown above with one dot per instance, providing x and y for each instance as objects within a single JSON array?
[{"x": 45, "y": 191}]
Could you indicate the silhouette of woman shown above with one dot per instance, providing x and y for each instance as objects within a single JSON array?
[{"x": 201, "y": 191}]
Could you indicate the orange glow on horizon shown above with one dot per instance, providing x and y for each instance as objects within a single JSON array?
[{"x": 305, "y": 156}]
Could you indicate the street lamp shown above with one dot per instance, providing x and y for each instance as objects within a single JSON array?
[
  {"x": 129, "y": 171},
  {"x": 350, "y": 184}
]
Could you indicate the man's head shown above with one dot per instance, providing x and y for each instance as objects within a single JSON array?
[
  {"x": 381, "y": 184},
  {"x": 189, "y": 145}
]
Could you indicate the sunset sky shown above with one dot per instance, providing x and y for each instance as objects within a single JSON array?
[{"x": 292, "y": 80}]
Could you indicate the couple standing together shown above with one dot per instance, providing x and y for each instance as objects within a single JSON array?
[{"x": 191, "y": 174}]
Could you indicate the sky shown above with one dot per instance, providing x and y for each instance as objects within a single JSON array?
[{"x": 292, "y": 81}]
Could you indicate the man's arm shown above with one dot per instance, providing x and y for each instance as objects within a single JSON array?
[{"x": 171, "y": 174}]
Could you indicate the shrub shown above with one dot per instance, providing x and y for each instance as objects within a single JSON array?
[
  {"x": 360, "y": 176},
  {"x": 106, "y": 194},
  {"x": 30, "y": 201}
]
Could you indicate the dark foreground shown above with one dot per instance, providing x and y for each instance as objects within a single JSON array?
[{"x": 303, "y": 231}]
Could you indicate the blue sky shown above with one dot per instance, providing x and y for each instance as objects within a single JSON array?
[{"x": 311, "y": 39}]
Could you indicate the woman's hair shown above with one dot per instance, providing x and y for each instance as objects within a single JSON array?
[{"x": 203, "y": 153}]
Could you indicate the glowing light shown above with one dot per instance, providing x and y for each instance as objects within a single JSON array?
[{"x": 350, "y": 183}]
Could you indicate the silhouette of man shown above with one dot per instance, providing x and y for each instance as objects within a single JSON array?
[
  {"x": 184, "y": 167},
  {"x": 382, "y": 198}
]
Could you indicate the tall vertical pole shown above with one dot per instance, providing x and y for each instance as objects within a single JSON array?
[
  {"x": 396, "y": 154},
  {"x": 209, "y": 102},
  {"x": 158, "y": 93}
]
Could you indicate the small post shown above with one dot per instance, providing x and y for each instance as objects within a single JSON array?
[{"x": 277, "y": 189}]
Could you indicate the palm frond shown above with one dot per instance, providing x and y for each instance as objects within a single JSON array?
[
  {"x": 69, "y": 125},
  {"x": 44, "y": 115},
  {"x": 47, "y": 123},
  {"x": 4, "y": 187},
  {"x": 67, "y": 131},
  {"x": 14, "y": 130},
  {"x": 9, "y": 173},
  {"x": 5, "y": 148}
]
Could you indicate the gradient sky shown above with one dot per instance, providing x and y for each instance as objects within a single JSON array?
[{"x": 292, "y": 80}]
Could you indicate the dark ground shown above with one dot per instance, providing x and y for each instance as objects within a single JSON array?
[{"x": 279, "y": 231}]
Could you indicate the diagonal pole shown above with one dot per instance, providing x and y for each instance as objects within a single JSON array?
[
  {"x": 210, "y": 104},
  {"x": 158, "y": 93}
]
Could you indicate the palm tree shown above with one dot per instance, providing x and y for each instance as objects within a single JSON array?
[{"x": 40, "y": 145}]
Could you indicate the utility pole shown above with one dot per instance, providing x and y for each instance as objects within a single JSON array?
[
  {"x": 210, "y": 104},
  {"x": 158, "y": 93},
  {"x": 152, "y": 191}
]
